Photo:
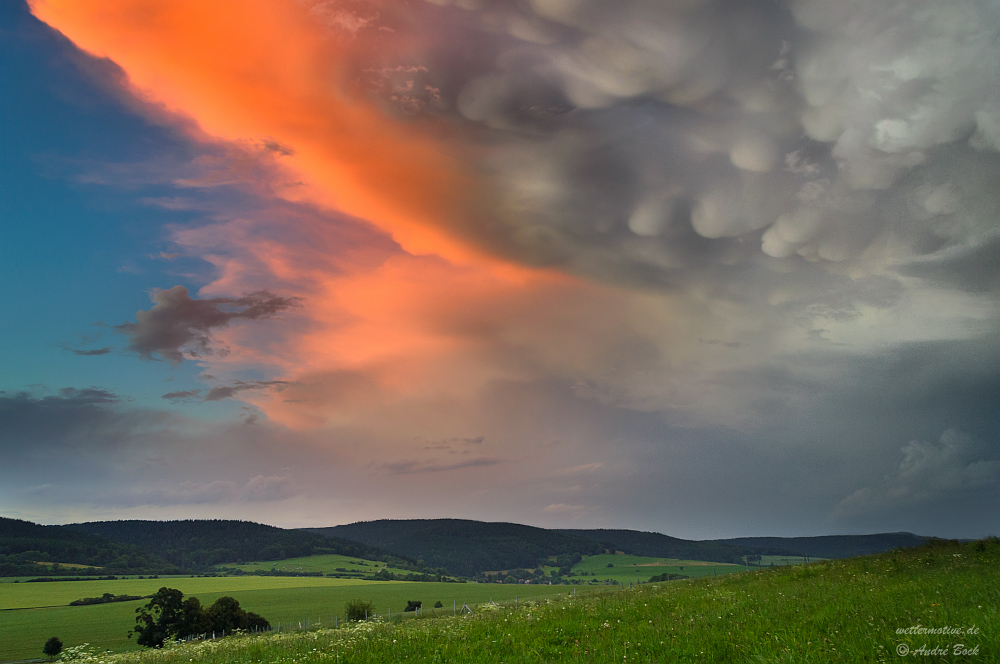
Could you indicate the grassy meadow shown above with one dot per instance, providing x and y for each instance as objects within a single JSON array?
[
  {"x": 30, "y": 613},
  {"x": 832, "y": 611}
]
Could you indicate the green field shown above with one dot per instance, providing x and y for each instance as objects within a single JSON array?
[
  {"x": 862, "y": 610},
  {"x": 287, "y": 600},
  {"x": 639, "y": 569},
  {"x": 324, "y": 564}
]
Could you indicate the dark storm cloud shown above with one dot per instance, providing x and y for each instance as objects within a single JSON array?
[{"x": 178, "y": 323}]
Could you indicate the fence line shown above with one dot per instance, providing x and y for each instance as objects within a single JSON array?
[{"x": 335, "y": 620}]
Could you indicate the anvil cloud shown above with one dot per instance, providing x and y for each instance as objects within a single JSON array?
[{"x": 655, "y": 259}]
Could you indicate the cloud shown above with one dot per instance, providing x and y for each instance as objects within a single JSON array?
[
  {"x": 179, "y": 324},
  {"x": 695, "y": 251},
  {"x": 929, "y": 472},
  {"x": 410, "y": 466},
  {"x": 182, "y": 396},
  {"x": 90, "y": 353},
  {"x": 270, "y": 487},
  {"x": 221, "y": 392}
]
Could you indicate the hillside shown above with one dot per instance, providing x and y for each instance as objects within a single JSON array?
[
  {"x": 657, "y": 545},
  {"x": 467, "y": 547},
  {"x": 198, "y": 544},
  {"x": 23, "y": 544},
  {"x": 470, "y": 547},
  {"x": 862, "y": 610},
  {"x": 827, "y": 546}
]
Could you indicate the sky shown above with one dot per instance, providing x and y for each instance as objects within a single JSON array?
[{"x": 710, "y": 268}]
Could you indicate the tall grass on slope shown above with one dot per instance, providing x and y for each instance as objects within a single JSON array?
[{"x": 843, "y": 611}]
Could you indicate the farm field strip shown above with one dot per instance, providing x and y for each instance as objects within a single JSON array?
[
  {"x": 61, "y": 593},
  {"x": 105, "y": 625},
  {"x": 640, "y": 569},
  {"x": 324, "y": 563}
]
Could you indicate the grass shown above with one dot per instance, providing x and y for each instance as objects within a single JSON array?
[
  {"x": 324, "y": 564},
  {"x": 833, "y": 611},
  {"x": 23, "y": 630}
]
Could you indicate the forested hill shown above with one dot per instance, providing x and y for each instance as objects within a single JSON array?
[
  {"x": 467, "y": 547},
  {"x": 472, "y": 547},
  {"x": 24, "y": 544},
  {"x": 196, "y": 544},
  {"x": 658, "y": 545},
  {"x": 828, "y": 546}
]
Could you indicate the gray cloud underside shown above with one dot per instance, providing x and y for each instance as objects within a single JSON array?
[{"x": 669, "y": 144}]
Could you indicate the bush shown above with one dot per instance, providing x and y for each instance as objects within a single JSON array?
[
  {"x": 413, "y": 604},
  {"x": 52, "y": 647},
  {"x": 438, "y": 604},
  {"x": 359, "y": 610}
]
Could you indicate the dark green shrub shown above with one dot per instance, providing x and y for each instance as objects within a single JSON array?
[{"x": 359, "y": 610}]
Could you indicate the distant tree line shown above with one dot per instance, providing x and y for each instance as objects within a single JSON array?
[{"x": 106, "y": 598}]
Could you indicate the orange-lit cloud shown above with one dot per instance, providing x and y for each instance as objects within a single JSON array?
[
  {"x": 273, "y": 71},
  {"x": 379, "y": 322}
]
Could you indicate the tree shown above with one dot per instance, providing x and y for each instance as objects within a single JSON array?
[
  {"x": 413, "y": 605},
  {"x": 226, "y": 615},
  {"x": 52, "y": 647},
  {"x": 359, "y": 610},
  {"x": 194, "y": 618},
  {"x": 160, "y": 619}
]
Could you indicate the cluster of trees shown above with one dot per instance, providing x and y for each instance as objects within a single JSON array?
[
  {"x": 169, "y": 616},
  {"x": 104, "y": 599},
  {"x": 438, "y": 576}
]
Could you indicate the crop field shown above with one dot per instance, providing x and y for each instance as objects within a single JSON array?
[
  {"x": 639, "y": 569},
  {"x": 288, "y": 600},
  {"x": 324, "y": 564},
  {"x": 862, "y": 610}
]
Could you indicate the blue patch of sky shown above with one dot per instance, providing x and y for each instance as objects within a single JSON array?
[{"x": 73, "y": 253}]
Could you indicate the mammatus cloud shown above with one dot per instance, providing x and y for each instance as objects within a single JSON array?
[{"x": 179, "y": 324}]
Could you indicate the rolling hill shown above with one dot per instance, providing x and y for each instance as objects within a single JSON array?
[{"x": 198, "y": 544}]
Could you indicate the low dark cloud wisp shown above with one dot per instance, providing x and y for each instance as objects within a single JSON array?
[{"x": 178, "y": 323}]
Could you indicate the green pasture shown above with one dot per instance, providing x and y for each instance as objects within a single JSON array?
[
  {"x": 324, "y": 564},
  {"x": 639, "y": 569},
  {"x": 287, "y": 600},
  {"x": 61, "y": 593},
  {"x": 866, "y": 610}
]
